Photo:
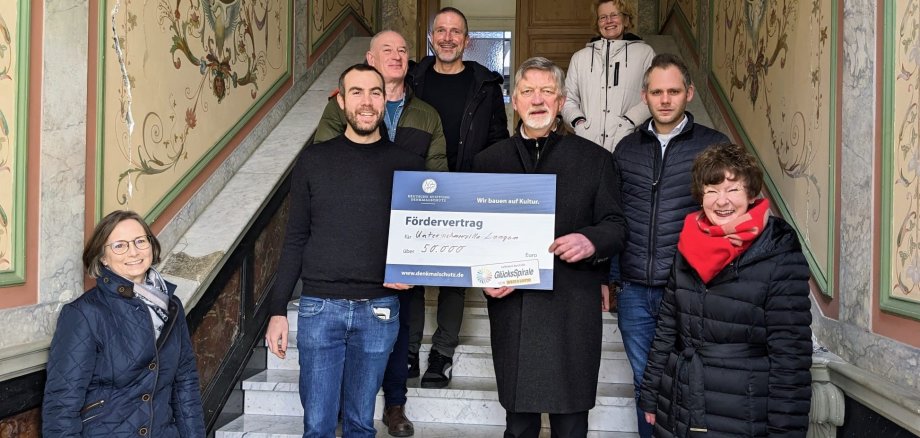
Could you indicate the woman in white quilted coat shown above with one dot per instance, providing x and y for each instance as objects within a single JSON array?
[{"x": 604, "y": 82}]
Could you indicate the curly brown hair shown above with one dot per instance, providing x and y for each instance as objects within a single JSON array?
[{"x": 712, "y": 165}]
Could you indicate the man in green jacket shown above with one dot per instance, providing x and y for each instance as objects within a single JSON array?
[
  {"x": 414, "y": 125},
  {"x": 409, "y": 122}
]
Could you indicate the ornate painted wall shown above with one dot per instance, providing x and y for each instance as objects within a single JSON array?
[
  {"x": 691, "y": 11},
  {"x": 664, "y": 9},
  {"x": 14, "y": 89},
  {"x": 164, "y": 82},
  {"x": 900, "y": 291},
  {"x": 179, "y": 79},
  {"x": 325, "y": 15},
  {"x": 773, "y": 67}
]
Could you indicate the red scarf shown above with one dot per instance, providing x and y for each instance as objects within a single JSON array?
[{"x": 710, "y": 248}]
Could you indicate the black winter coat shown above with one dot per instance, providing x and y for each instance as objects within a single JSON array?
[
  {"x": 656, "y": 197},
  {"x": 484, "y": 120},
  {"x": 546, "y": 345},
  {"x": 738, "y": 347},
  {"x": 108, "y": 376}
]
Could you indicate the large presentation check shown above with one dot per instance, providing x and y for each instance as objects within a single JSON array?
[{"x": 472, "y": 229}]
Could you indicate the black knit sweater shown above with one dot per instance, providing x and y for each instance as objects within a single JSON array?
[{"x": 336, "y": 238}]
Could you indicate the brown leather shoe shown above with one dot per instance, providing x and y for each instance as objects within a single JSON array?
[{"x": 394, "y": 417}]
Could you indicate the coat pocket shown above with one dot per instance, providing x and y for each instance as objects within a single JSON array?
[{"x": 92, "y": 410}]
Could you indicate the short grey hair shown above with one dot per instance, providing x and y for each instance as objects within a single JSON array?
[{"x": 543, "y": 64}]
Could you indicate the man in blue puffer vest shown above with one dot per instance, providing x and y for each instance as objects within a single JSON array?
[{"x": 653, "y": 165}]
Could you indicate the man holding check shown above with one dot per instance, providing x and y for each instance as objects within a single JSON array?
[
  {"x": 546, "y": 345},
  {"x": 335, "y": 243}
]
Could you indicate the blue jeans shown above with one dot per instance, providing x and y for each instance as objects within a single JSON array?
[
  {"x": 614, "y": 268},
  {"x": 637, "y": 317},
  {"x": 397, "y": 373},
  {"x": 344, "y": 346}
]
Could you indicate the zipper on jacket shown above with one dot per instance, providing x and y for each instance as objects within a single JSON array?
[
  {"x": 606, "y": 93},
  {"x": 653, "y": 220},
  {"x": 91, "y": 406},
  {"x": 656, "y": 180},
  {"x": 468, "y": 119}
]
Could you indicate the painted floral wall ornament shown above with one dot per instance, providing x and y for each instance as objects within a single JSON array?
[{"x": 753, "y": 16}]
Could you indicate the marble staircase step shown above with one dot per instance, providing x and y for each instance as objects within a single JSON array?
[
  {"x": 475, "y": 322},
  {"x": 473, "y": 358},
  {"x": 277, "y": 426},
  {"x": 476, "y": 308},
  {"x": 468, "y": 400}
]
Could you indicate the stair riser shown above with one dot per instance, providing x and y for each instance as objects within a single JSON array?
[
  {"x": 476, "y": 365},
  {"x": 618, "y": 418},
  {"x": 476, "y": 323}
]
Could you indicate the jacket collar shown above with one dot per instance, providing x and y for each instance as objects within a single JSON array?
[
  {"x": 524, "y": 154},
  {"x": 480, "y": 73},
  {"x": 628, "y": 36},
  {"x": 114, "y": 284},
  {"x": 644, "y": 128},
  {"x": 600, "y": 44}
]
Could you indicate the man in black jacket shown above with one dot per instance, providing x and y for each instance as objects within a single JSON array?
[
  {"x": 546, "y": 344},
  {"x": 654, "y": 164},
  {"x": 468, "y": 98}
]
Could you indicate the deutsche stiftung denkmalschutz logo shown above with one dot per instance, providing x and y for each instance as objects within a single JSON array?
[{"x": 429, "y": 186}]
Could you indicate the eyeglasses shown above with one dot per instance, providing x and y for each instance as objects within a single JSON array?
[
  {"x": 121, "y": 246},
  {"x": 610, "y": 17}
]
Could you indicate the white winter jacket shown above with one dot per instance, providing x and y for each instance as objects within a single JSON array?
[{"x": 604, "y": 84}]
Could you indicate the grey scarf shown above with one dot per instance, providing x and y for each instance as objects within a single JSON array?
[{"x": 156, "y": 296}]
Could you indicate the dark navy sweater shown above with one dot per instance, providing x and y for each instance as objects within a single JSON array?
[{"x": 336, "y": 237}]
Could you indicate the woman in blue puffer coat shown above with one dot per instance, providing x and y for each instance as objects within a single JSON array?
[{"x": 121, "y": 361}]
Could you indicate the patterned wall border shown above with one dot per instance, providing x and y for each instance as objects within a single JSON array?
[
  {"x": 890, "y": 233},
  {"x": 331, "y": 28},
  {"x": 13, "y": 222},
  {"x": 823, "y": 275},
  {"x": 688, "y": 25},
  {"x": 195, "y": 170},
  {"x": 664, "y": 12}
]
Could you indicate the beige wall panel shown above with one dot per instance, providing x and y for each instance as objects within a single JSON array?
[
  {"x": 196, "y": 73},
  {"x": 905, "y": 175},
  {"x": 664, "y": 9},
  {"x": 13, "y": 138},
  {"x": 402, "y": 16},
  {"x": 775, "y": 70},
  {"x": 690, "y": 9},
  {"x": 325, "y": 15}
]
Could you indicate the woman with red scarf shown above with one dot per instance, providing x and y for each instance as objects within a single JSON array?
[{"x": 732, "y": 348}]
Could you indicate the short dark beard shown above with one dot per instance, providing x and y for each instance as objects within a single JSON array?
[{"x": 350, "y": 118}]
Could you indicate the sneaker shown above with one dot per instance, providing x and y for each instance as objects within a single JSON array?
[
  {"x": 438, "y": 373},
  {"x": 414, "y": 368}
]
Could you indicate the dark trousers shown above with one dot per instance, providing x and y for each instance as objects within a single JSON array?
[
  {"x": 397, "y": 372},
  {"x": 527, "y": 425},
  {"x": 451, "y": 301}
]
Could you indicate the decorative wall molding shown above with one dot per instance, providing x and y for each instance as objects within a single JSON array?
[
  {"x": 177, "y": 83},
  {"x": 900, "y": 239},
  {"x": 325, "y": 16},
  {"x": 773, "y": 67},
  {"x": 14, "y": 108}
]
